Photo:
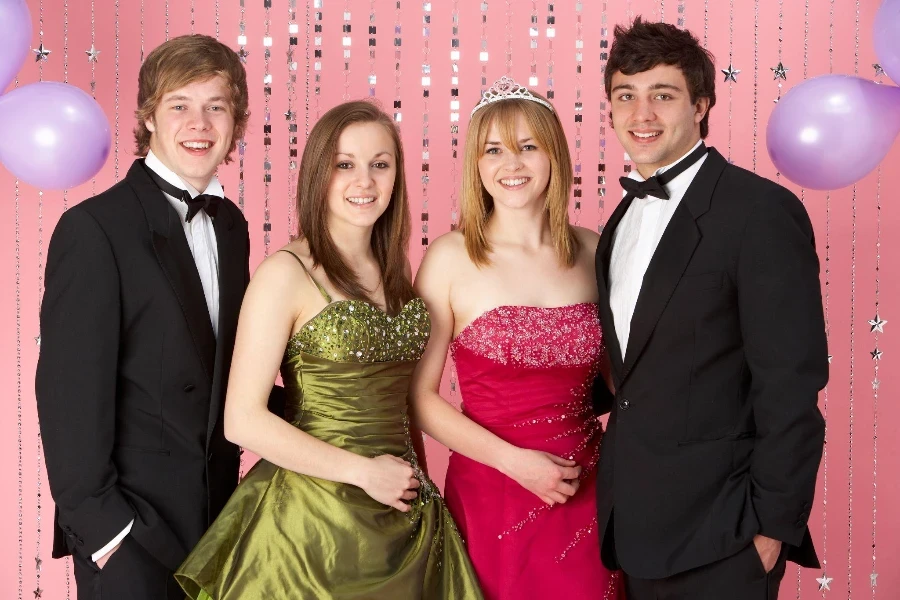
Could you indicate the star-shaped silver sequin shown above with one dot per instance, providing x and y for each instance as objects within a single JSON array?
[
  {"x": 877, "y": 324},
  {"x": 38, "y": 593},
  {"x": 878, "y": 70},
  {"x": 731, "y": 73},
  {"x": 37, "y": 340},
  {"x": 93, "y": 54},
  {"x": 38, "y": 563},
  {"x": 289, "y": 115},
  {"x": 41, "y": 53},
  {"x": 875, "y": 384},
  {"x": 243, "y": 53},
  {"x": 780, "y": 71},
  {"x": 876, "y": 354},
  {"x": 824, "y": 582},
  {"x": 830, "y": 356},
  {"x": 873, "y": 579}
]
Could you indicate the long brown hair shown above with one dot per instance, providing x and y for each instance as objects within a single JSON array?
[
  {"x": 478, "y": 206},
  {"x": 180, "y": 62},
  {"x": 646, "y": 44},
  {"x": 390, "y": 236}
]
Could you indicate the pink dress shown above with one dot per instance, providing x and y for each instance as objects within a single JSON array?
[{"x": 525, "y": 374}]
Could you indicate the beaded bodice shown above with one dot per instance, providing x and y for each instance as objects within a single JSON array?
[{"x": 356, "y": 331}]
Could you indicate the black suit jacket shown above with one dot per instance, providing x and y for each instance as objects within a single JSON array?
[
  {"x": 131, "y": 378},
  {"x": 714, "y": 433}
]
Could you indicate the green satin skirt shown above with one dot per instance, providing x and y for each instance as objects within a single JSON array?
[{"x": 284, "y": 535}]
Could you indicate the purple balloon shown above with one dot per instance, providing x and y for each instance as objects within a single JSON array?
[
  {"x": 886, "y": 37},
  {"x": 52, "y": 135},
  {"x": 15, "y": 39},
  {"x": 830, "y": 131}
]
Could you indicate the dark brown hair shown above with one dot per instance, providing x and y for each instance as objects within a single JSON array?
[
  {"x": 390, "y": 236},
  {"x": 478, "y": 205},
  {"x": 179, "y": 62},
  {"x": 645, "y": 45}
]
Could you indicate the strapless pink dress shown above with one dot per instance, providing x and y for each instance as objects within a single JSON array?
[{"x": 525, "y": 374}]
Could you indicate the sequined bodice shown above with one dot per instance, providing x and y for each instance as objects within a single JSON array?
[
  {"x": 346, "y": 374},
  {"x": 356, "y": 331},
  {"x": 520, "y": 366}
]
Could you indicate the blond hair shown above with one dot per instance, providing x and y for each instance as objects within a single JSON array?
[{"x": 477, "y": 206}]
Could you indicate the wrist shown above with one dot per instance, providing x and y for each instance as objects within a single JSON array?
[
  {"x": 357, "y": 470},
  {"x": 507, "y": 459}
]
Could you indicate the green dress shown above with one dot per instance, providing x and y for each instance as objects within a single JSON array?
[{"x": 286, "y": 535}]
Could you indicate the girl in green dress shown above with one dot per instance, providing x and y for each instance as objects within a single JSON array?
[{"x": 338, "y": 506}]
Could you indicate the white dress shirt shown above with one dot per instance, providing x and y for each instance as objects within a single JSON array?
[
  {"x": 635, "y": 241},
  {"x": 201, "y": 239}
]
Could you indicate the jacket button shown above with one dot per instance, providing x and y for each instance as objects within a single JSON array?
[
  {"x": 189, "y": 387},
  {"x": 624, "y": 403}
]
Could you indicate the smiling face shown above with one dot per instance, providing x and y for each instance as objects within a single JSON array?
[
  {"x": 654, "y": 117},
  {"x": 514, "y": 177},
  {"x": 191, "y": 130},
  {"x": 362, "y": 180}
]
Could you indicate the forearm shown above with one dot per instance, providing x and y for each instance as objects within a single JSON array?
[
  {"x": 443, "y": 422},
  {"x": 286, "y": 446}
]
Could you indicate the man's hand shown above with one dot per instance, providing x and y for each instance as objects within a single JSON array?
[
  {"x": 102, "y": 560},
  {"x": 768, "y": 550}
]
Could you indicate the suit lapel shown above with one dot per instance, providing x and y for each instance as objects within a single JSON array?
[
  {"x": 671, "y": 258},
  {"x": 177, "y": 262},
  {"x": 604, "y": 252},
  {"x": 231, "y": 244}
]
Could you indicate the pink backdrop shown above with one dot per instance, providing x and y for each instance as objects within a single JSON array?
[{"x": 858, "y": 475}]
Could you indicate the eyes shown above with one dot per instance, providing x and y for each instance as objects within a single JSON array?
[
  {"x": 525, "y": 148},
  {"x": 628, "y": 97},
  {"x": 211, "y": 108},
  {"x": 380, "y": 164}
]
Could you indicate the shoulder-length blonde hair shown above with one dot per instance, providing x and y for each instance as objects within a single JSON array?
[
  {"x": 478, "y": 206},
  {"x": 390, "y": 236}
]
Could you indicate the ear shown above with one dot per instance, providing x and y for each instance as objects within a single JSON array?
[
  {"x": 612, "y": 124},
  {"x": 701, "y": 106},
  {"x": 150, "y": 125}
]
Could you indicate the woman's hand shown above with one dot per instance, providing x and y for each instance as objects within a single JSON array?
[
  {"x": 389, "y": 480},
  {"x": 551, "y": 478}
]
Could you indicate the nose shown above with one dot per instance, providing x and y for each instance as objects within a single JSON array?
[
  {"x": 365, "y": 177},
  {"x": 514, "y": 161},
  {"x": 199, "y": 120},
  {"x": 643, "y": 110}
]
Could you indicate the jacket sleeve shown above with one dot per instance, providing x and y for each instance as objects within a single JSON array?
[
  {"x": 75, "y": 384},
  {"x": 783, "y": 329}
]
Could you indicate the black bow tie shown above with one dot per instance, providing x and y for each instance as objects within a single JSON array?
[
  {"x": 206, "y": 202},
  {"x": 655, "y": 186}
]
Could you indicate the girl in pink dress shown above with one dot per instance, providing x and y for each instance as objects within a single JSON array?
[{"x": 512, "y": 297}]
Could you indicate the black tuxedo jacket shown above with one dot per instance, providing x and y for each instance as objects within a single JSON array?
[
  {"x": 714, "y": 433},
  {"x": 131, "y": 378}
]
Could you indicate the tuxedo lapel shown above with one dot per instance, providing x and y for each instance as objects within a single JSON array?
[
  {"x": 604, "y": 252},
  {"x": 176, "y": 260},
  {"x": 671, "y": 258},
  {"x": 231, "y": 244}
]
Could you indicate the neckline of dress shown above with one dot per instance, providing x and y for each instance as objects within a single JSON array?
[{"x": 518, "y": 306}]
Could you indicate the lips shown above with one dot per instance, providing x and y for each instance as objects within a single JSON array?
[
  {"x": 646, "y": 136},
  {"x": 361, "y": 200}
]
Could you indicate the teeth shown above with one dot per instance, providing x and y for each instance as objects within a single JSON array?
[
  {"x": 362, "y": 200},
  {"x": 518, "y": 181},
  {"x": 196, "y": 145},
  {"x": 646, "y": 135}
]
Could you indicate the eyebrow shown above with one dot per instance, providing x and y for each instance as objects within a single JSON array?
[
  {"x": 522, "y": 141},
  {"x": 183, "y": 98},
  {"x": 351, "y": 155},
  {"x": 655, "y": 86}
]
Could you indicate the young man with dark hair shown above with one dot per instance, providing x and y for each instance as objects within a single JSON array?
[
  {"x": 143, "y": 287},
  {"x": 710, "y": 300}
]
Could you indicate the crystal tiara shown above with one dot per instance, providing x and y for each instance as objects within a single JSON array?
[{"x": 506, "y": 88}]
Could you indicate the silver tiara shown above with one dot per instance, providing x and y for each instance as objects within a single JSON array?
[{"x": 506, "y": 88}]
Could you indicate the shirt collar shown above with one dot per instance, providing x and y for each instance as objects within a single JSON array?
[
  {"x": 637, "y": 176},
  {"x": 152, "y": 162}
]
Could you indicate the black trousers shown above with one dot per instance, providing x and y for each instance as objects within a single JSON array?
[
  {"x": 131, "y": 572},
  {"x": 738, "y": 577}
]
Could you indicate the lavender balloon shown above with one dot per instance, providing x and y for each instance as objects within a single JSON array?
[
  {"x": 52, "y": 135},
  {"x": 886, "y": 37},
  {"x": 15, "y": 39},
  {"x": 830, "y": 131}
]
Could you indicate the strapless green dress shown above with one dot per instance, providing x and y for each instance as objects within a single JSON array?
[{"x": 283, "y": 535}]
